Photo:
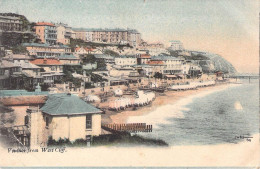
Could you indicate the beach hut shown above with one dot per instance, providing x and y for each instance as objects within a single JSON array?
[
  {"x": 154, "y": 85},
  {"x": 92, "y": 98},
  {"x": 118, "y": 92}
]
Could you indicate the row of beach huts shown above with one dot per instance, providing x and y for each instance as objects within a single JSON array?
[
  {"x": 144, "y": 97},
  {"x": 192, "y": 85}
]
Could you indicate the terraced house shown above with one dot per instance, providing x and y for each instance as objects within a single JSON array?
[
  {"x": 39, "y": 50},
  {"x": 113, "y": 36},
  {"x": 53, "y": 69}
]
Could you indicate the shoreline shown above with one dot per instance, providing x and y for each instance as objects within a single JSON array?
[{"x": 169, "y": 97}]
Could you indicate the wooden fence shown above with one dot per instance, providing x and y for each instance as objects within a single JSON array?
[{"x": 130, "y": 127}]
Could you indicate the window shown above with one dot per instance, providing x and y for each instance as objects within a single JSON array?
[
  {"x": 89, "y": 121},
  {"x": 26, "y": 120},
  {"x": 47, "y": 121},
  {"x": 53, "y": 68}
]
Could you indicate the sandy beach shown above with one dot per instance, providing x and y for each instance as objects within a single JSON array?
[{"x": 168, "y": 97}]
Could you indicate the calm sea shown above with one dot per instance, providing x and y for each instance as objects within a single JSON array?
[{"x": 211, "y": 117}]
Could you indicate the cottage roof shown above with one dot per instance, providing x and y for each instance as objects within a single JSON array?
[
  {"x": 46, "y": 62},
  {"x": 66, "y": 104}
]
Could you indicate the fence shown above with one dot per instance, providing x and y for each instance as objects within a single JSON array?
[{"x": 130, "y": 127}]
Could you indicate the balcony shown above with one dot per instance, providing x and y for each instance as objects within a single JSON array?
[
  {"x": 48, "y": 81},
  {"x": 67, "y": 34}
]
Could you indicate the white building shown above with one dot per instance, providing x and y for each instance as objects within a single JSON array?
[
  {"x": 172, "y": 64},
  {"x": 63, "y": 33},
  {"x": 176, "y": 45},
  {"x": 63, "y": 116},
  {"x": 125, "y": 61}
]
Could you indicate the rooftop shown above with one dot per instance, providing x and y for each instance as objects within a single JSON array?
[
  {"x": 44, "y": 45},
  {"x": 126, "y": 56},
  {"x": 23, "y": 100},
  {"x": 145, "y": 56},
  {"x": 155, "y": 62},
  {"x": 7, "y": 64},
  {"x": 27, "y": 65},
  {"x": 44, "y": 24},
  {"x": 162, "y": 57},
  {"x": 67, "y": 104},
  {"x": 103, "y": 56},
  {"x": 17, "y": 56},
  {"x": 8, "y": 93},
  {"x": 104, "y": 30},
  {"x": 64, "y": 56},
  {"x": 176, "y": 41},
  {"x": 46, "y": 62}
]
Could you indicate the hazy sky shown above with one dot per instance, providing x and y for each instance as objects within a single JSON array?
[{"x": 226, "y": 27}]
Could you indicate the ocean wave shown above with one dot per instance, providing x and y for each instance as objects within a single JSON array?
[{"x": 163, "y": 114}]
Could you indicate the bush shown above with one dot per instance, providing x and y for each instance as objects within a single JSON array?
[{"x": 120, "y": 138}]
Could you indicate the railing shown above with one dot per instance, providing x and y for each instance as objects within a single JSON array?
[
  {"x": 130, "y": 127},
  {"x": 48, "y": 81}
]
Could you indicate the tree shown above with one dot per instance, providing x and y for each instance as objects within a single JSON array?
[
  {"x": 101, "y": 64},
  {"x": 45, "y": 86},
  {"x": 89, "y": 58},
  {"x": 174, "y": 53},
  {"x": 19, "y": 49},
  {"x": 111, "y": 52},
  {"x": 158, "y": 75},
  {"x": 199, "y": 57}
]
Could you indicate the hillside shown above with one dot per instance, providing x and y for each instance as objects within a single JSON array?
[{"x": 220, "y": 64}]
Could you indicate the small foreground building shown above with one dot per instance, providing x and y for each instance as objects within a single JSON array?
[{"x": 63, "y": 116}]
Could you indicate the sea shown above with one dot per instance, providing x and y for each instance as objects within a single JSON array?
[{"x": 228, "y": 114}]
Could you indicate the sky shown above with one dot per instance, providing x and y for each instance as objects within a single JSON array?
[{"x": 226, "y": 27}]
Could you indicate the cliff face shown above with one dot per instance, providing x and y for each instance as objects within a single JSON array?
[{"x": 216, "y": 63}]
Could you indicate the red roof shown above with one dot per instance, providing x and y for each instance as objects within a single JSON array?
[
  {"x": 23, "y": 100},
  {"x": 78, "y": 48},
  {"x": 88, "y": 49},
  {"x": 44, "y": 24},
  {"x": 46, "y": 62},
  {"x": 145, "y": 56},
  {"x": 155, "y": 62}
]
